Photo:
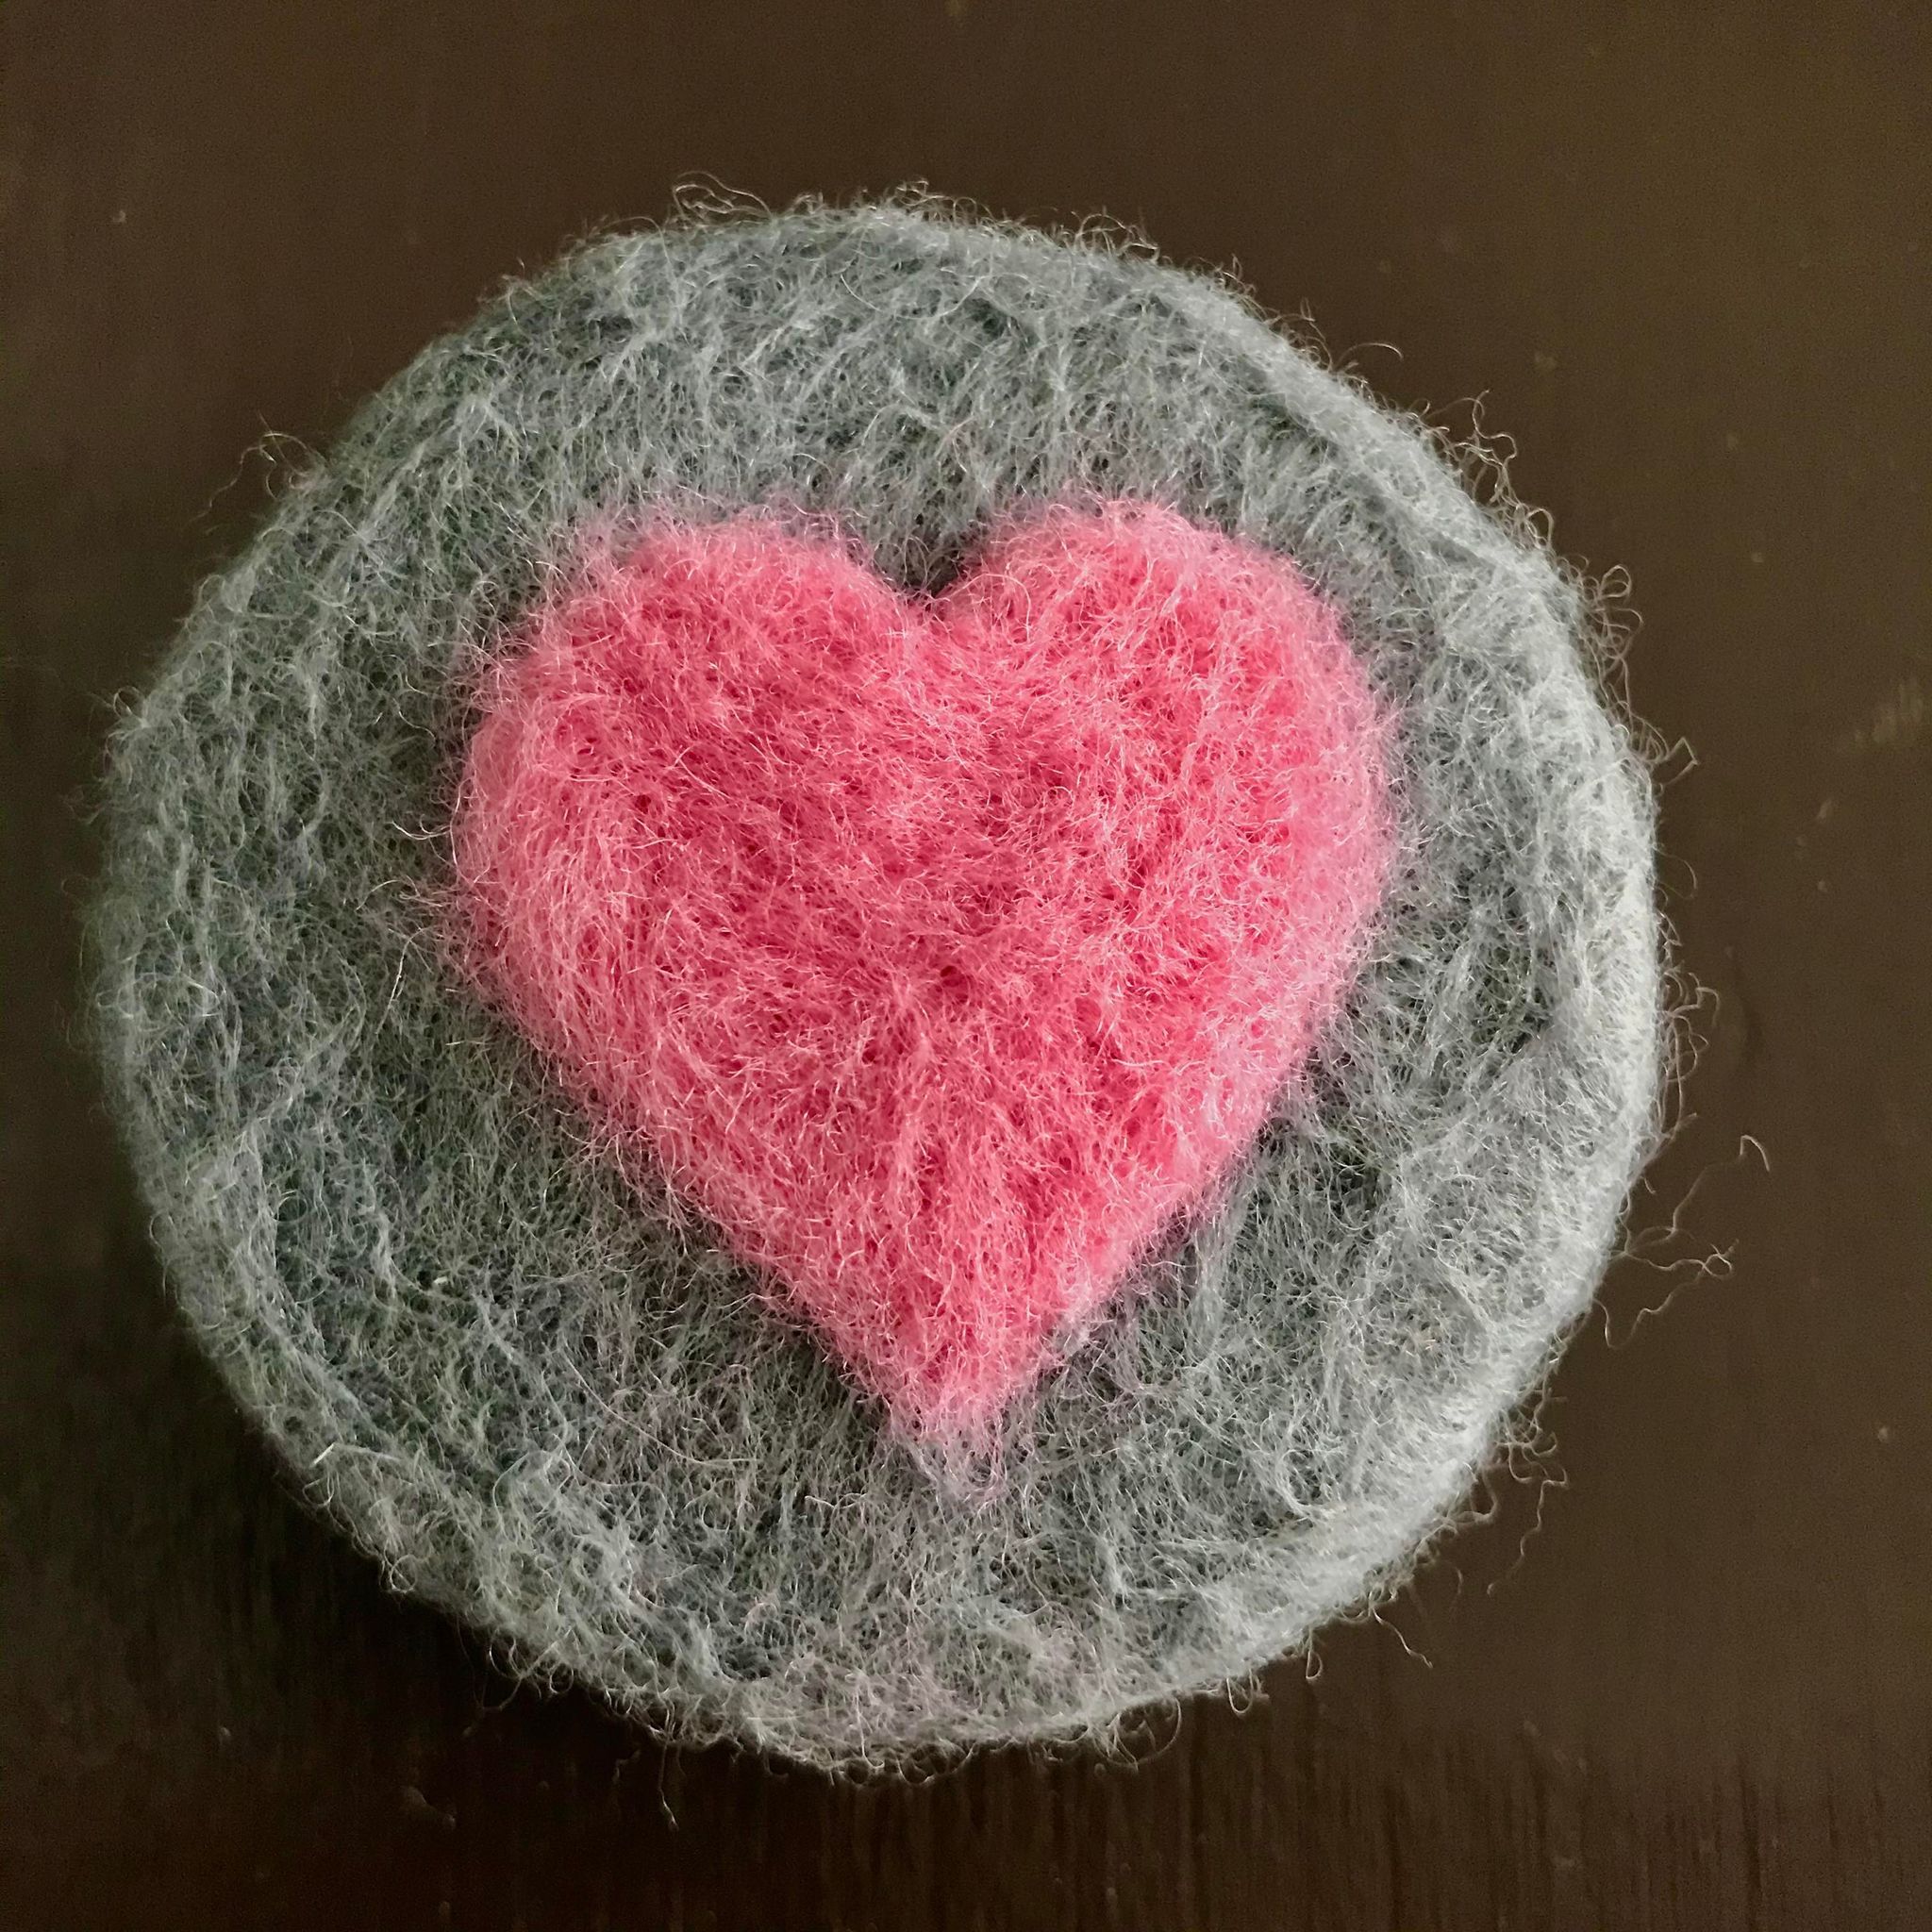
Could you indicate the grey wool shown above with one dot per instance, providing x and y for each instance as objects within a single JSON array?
[{"x": 574, "y": 1423}]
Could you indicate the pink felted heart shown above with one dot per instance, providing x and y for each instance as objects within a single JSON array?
[{"x": 945, "y": 950}]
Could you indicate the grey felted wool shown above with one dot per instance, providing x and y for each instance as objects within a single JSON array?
[{"x": 571, "y": 1420}]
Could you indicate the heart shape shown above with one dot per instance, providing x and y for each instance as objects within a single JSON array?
[{"x": 942, "y": 950}]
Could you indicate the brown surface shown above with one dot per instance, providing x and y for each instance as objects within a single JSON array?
[{"x": 1685, "y": 263}]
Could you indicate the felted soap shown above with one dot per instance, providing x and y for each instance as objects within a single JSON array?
[{"x": 880, "y": 983}]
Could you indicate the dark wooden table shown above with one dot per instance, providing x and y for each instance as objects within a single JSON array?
[{"x": 1682, "y": 1678}]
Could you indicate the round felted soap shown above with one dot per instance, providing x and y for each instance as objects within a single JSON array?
[{"x": 879, "y": 983}]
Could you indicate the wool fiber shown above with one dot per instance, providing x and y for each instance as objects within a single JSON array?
[
  {"x": 571, "y": 1417},
  {"x": 945, "y": 951}
]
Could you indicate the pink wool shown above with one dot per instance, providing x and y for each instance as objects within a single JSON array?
[{"x": 945, "y": 950}]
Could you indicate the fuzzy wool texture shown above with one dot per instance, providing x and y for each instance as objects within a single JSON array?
[
  {"x": 945, "y": 951},
  {"x": 575, "y": 1424}
]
